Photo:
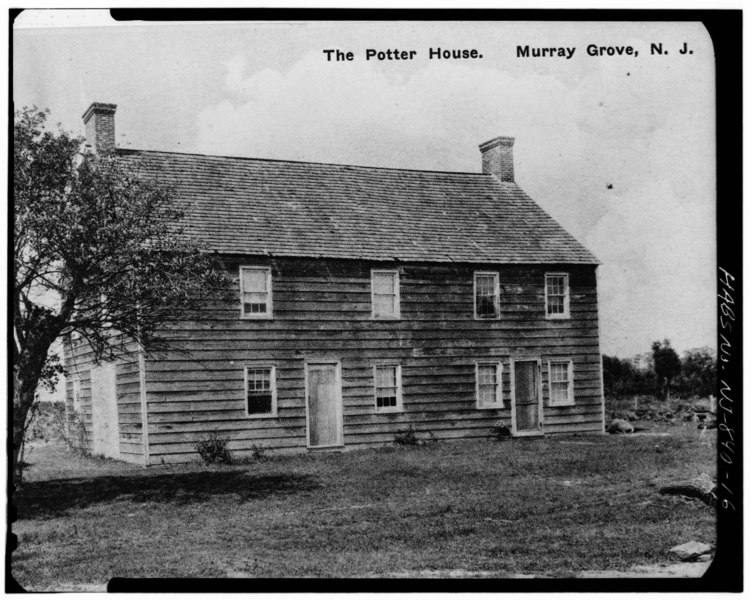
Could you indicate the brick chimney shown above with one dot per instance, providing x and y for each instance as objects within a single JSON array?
[
  {"x": 99, "y": 119},
  {"x": 498, "y": 158}
]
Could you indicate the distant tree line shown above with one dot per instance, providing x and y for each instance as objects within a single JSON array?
[{"x": 662, "y": 373}]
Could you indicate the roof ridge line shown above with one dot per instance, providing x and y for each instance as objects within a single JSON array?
[{"x": 298, "y": 162}]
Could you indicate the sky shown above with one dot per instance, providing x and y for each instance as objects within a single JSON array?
[{"x": 618, "y": 149}]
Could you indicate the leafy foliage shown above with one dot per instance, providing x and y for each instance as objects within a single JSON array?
[
  {"x": 501, "y": 430},
  {"x": 407, "y": 437},
  {"x": 667, "y": 365},
  {"x": 625, "y": 377},
  {"x": 99, "y": 251},
  {"x": 214, "y": 450},
  {"x": 693, "y": 376},
  {"x": 258, "y": 452},
  {"x": 698, "y": 375},
  {"x": 48, "y": 423}
]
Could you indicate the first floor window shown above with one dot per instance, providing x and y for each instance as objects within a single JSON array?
[
  {"x": 260, "y": 391},
  {"x": 255, "y": 290},
  {"x": 561, "y": 381},
  {"x": 487, "y": 296},
  {"x": 388, "y": 388},
  {"x": 556, "y": 296},
  {"x": 489, "y": 385}
]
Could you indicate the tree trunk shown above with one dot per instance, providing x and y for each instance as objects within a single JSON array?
[
  {"x": 24, "y": 392},
  {"x": 27, "y": 373}
]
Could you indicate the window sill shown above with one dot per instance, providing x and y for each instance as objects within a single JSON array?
[
  {"x": 263, "y": 416},
  {"x": 259, "y": 318},
  {"x": 561, "y": 405},
  {"x": 496, "y": 318},
  {"x": 490, "y": 407},
  {"x": 558, "y": 317},
  {"x": 394, "y": 318},
  {"x": 388, "y": 411}
]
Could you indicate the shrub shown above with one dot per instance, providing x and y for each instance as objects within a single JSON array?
[
  {"x": 75, "y": 434},
  {"x": 46, "y": 422},
  {"x": 406, "y": 438},
  {"x": 214, "y": 450},
  {"x": 258, "y": 452},
  {"x": 500, "y": 430}
]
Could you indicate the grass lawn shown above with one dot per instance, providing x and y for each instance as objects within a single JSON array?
[{"x": 554, "y": 506}]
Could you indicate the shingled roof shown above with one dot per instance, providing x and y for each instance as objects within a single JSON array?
[{"x": 283, "y": 208}]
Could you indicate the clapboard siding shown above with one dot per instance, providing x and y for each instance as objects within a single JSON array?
[
  {"x": 79, "y": 362},
  {"x": 322, "y": 310}
]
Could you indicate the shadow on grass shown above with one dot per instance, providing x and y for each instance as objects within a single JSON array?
[{"x": 54, "y": 498}]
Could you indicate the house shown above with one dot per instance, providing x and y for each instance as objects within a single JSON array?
[{"x": 368, "y": 300}]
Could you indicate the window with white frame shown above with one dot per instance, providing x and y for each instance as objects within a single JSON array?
[
  {"x": 260, "y": 391},
  {"x": 556, "y": 296},
  {"x": 385, "y": 287},
  {"x": 255, "y": 291},
  {"x": 561, "y": 382},
  {"x": 388, "y": 388},
  {"x": 487, "y": 296},
  {"x": 489, "y": 385}
]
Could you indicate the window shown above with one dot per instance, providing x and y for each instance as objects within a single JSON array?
[
  {"x": 556, "y": 296},
  {"x": 385, "y": 286},
  {"x": 487, "y": 296},
  {"x": 260, "y": 390},
  {"x": 388, "y": 388},
  {"x": 561, "y": 382},
  {"x": 76, "y": 394},
  {"x": 489, "y": 392},
  {"x": 255, "y": 291}
]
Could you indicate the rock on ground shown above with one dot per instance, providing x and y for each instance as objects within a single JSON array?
[
  {"x": 700, "y": 487},
  {"x": 620, "y": 426},
  {"x": 691, "y": 551}
]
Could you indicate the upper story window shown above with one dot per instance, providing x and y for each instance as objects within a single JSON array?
[
  {"x": 556, "y": 296},
  {"x": 260, "y": 391},
  {"x": 487, "y": 296},
  {"x": 385, "y": 292},
  {"x": 255, "y": 291},
  {"x": 561, "y": 382},
  {"x": 388, "y": 388},
  {"x": 489, "y": 385}
]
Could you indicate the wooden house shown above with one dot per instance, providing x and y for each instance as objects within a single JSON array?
[{"x": 368, "y": 300}]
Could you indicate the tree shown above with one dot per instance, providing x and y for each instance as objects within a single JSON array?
[
  {"x": 698, "y": 372},
  {"x": 98, "y": 251},
  {"x": 625, "y": 377},
  {"x": 618, "y": 376},
  {"x": 667, "y": 365}
]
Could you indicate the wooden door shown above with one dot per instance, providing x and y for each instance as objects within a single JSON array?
[
  {"x": 104, "y": 417},
  {"x": 324, "y": 405},
  {"x": 527, "y": 410}
]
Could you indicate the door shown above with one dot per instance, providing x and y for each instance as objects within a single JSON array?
[
  {"x": 527, "y": 412},
  {"x": 324, "y": 405},
  {"x": 104, "y": 418}
]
